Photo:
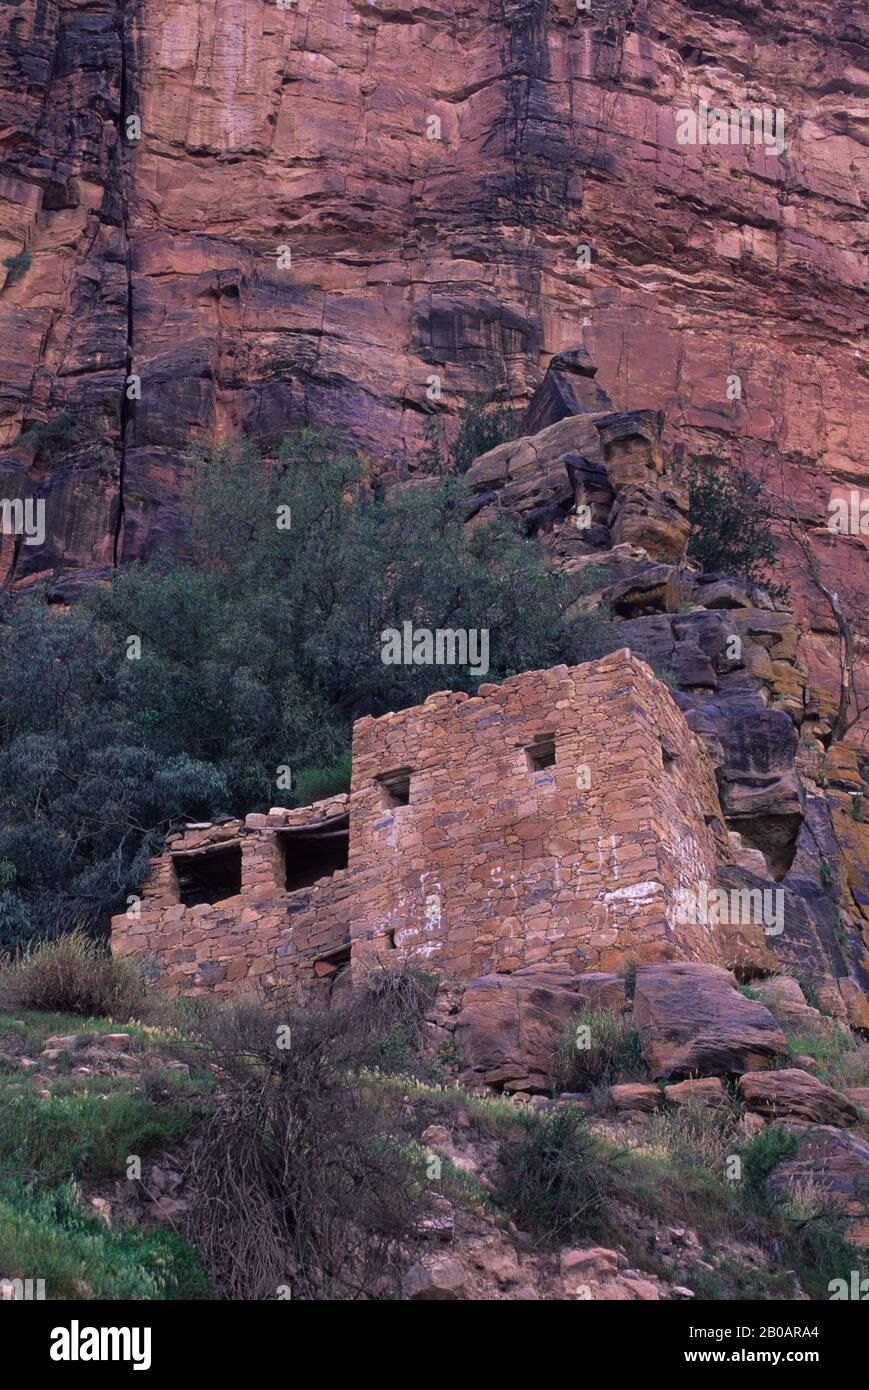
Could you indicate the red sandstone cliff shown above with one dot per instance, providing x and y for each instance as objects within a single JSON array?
[{"x": 308, "y": 127}]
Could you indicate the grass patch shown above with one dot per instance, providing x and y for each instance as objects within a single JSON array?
[
  {"x": 597, "y": 1049},
  {"x": 87, "y": 1135},
  {"x": 827, "y": 1052},
  {"x": 689, "y": 1177},
  {"x": 72, "y": 974},
  {"x": 489, "y": 1117},
  {"x": 47, "y": 1234}
]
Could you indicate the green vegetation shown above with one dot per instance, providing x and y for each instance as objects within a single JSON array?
[
  {"x": 731, "y": 525},
  {"x": 17, "y": 266},
  {"x": 256, "y": 654},
  {"x": 72, "y": 974},
  {"x": 667, "y": 675},
  {"x": 88, "y": 1134},
  {"x": 63, "y": 1130},
  {"x": 308, "y": 1168},
  {"x": 597, "y": 1049},
  {"x": 483, "y": 424},
  {"x": 51, "y": 439},
  {"x": 47, "y": 1229},
  {"x": 829, "y": 1051},
  {"x": 317, "y": 783},
  {"x": 557, "y": 1177}
]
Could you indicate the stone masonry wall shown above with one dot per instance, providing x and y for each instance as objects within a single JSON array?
[
  {"x": 491, "y": 864},
  {"x": 258, "y": 937}
]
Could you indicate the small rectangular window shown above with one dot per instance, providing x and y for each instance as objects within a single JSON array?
[
  {"x": 208, "y": 875},
  {"x": 541, "y": 753},
  {"x": 311, "y": 853},
  {"x": 395, "y": 787}
]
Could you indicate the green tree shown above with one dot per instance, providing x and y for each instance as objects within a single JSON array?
[{"x": 731, "y": 525}]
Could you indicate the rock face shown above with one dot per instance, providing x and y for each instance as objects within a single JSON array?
[
  {"x": 309, "y": 127},
  {"x": 693, "y": 1021},
  {"x": 510, "y": 1026},
  {"x": 797, "y": 1094}
]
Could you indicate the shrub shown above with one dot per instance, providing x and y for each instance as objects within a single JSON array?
[
  {"x": 762, "y": 1154},
  {"x": 53, "y": 438},
  {"x": 731, "y": 525},
  {"x": 483, "y": 424},
  {"x": 302, "y": 1178},
  {"x": 72, "y": 974},
  {"x": 17, "y": 266},
  {"x": 555, "y": 1177},
  {"x": 613, "y": 1055}
]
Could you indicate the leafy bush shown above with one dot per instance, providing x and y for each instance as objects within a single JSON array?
[
  {"x": 53, "y": 438},
  {"x": 49, "y": 1231},
  {"x": 555, "y": 1177},
  {"x": 483, "y": 424},
  {"x": 613, "y": 1056},
  {"x": 17, "y": 266},
  {"x": 75, "y": 975},
  {"x": 731, "y": 525},
  {"x": 257, "y": 652},
  {"x": 764, "y": 1153}
]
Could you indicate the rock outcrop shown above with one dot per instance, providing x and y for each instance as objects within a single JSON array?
[
  {"x": 510, "y": 1026},
  {"x": 693, "y": 1021},
  {"x": 836, "y": 1162},
  {"x": 795, "y": 1093}
]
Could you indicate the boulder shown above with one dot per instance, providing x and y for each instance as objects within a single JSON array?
[
  {"x": 842, "y": 767},
  {"x": 693, "y": 1021},
  {"x": 441, "y": 1281},
  {"x": 784, "y": 996},
  {"x": 600, "y": 990},
  {"x": 528, "y": 476},
  {"x": 632, "y": 1096},
  {"x": 568, "y": 388},
  {"x": 654, "y": 588},
  {"x": 797, "y": 1094},
  {"x": 509, "y": 1026},
  {"x": 593, "y": 1262},
  {"x": 859, "y": 1097},
  {"x": 705, "y": 1090}
]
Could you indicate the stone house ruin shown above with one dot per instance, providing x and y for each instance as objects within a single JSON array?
[{"x": 553, "y": 817}]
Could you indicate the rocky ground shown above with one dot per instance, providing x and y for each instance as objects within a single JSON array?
[{"x": 676, "y": 1224}]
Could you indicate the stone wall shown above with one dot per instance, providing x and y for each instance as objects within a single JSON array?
[
  {"x": 259, "y": 936},
  {"x": 551, "y": 818}
]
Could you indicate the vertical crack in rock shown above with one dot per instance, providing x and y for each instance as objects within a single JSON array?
[{"x": 124, "y": 159}]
